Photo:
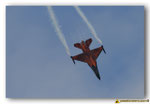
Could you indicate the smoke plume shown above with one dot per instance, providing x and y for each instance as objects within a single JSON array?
[
  {"x": 57, "y": 29},
  {"x": 88, "y": 23}
]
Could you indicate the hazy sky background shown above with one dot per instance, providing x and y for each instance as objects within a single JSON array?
[{"x": 38, "y": 66}]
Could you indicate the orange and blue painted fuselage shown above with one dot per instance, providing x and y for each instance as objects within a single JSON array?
[{"x": 88, "y": 56}]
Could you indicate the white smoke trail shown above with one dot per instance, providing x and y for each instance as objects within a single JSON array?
[
  {"x": 88, "y": 23},
  {"x": 58, "y": 30}
]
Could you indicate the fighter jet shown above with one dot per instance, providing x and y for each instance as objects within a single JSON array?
[{"x": 88, "y": 56}]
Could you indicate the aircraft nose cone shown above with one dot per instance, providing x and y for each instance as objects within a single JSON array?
[{"x": 95, "y": 69}]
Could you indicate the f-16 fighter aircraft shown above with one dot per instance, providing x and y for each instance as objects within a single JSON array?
[{"x": 88, "y": 56}]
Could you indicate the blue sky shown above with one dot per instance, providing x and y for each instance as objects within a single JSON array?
[{"x": 37, "y": 65}]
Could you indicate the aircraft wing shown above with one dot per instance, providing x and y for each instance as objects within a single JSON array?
[
  {"x": 80, "y": 57},
  {"x": 95, "y": 52}
]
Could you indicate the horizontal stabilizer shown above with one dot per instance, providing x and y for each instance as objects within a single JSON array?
[
  {"x": 88, "y": 42},
  {"x": 78, "y": 45}
]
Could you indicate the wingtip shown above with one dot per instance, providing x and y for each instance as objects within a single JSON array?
[
  {"x": 72, "y": 59},
  {"x": 103, "y": 49}
]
